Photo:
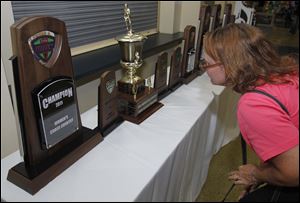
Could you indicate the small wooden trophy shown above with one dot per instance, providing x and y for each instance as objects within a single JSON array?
[
  {"x": 227, "y": 14},
  {"x": 108, "y": 115},
  {"x": 215, "y": 17},
  {"x": 188, "y": 59},
  {"x": 161, "y": 71},
  {"x": 175, "y": 70},
  {"x": 204, "y": 18}
]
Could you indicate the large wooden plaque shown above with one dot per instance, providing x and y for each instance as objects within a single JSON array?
[{"x": 52, "y": 135}]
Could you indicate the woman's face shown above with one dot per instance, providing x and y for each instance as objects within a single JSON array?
[{"x": 215, "y": 70}]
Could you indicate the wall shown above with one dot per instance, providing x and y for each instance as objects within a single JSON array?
[
  {"x": 173, "y": 17},
  {"x": 9, "y": 138},
  {"x": 9, "y": 129}
]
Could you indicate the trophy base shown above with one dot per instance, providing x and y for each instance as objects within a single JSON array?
[
  {"x": 200, "y": 72},
  {"x": 175, "y": 86},
  {"x": 126, "y": 88},
  {"x": 190, "y": 76},
  {"x": 143, "y": 116},
  {"x": 164, "y": 93},
  {"x": 110, "y": 127},
  {"x": 137, "y": 109},
  {"x": 21, "y": 177}
]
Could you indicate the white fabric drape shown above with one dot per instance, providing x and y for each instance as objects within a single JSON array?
[{"x": 165, "y": 158}]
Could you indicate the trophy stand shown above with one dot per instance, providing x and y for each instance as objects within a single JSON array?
[
  {"x": 136, "y": 102},
  {"x": 204, "y": 18},
  {"x": 51, "y": 131},
  {"x": 188, "y": 59}
]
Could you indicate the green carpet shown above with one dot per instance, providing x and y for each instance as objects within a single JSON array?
[{"x": 217, "y": 184}]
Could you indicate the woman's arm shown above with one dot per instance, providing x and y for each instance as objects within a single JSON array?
[{"x": 282, "y": 170}]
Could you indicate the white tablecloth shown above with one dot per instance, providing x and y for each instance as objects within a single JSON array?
[{"x": 165, "y": 158}]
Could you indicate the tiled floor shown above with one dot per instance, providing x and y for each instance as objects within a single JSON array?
[{"x": 230, "y": 156}]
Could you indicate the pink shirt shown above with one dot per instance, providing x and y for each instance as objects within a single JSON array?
[{"x": 265, "y": 126}]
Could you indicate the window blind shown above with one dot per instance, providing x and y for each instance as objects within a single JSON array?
[{"x": 92, "y": 21}]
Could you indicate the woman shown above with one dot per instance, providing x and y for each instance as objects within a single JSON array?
[{"x": 239, "y": 56}]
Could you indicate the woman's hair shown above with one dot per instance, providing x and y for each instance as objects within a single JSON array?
[{"x": 249, "y": 59}]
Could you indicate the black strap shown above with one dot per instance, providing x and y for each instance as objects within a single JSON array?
[{"x": 272, "y": 97}]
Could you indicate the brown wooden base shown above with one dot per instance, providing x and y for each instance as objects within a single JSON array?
[
  {"x": 111, "y": 126},
  {"x": 200, "y": 71},
  {"x": 191, "y": 76},
  {"x": 175, "y": 86},
  {"x": 144, "y": 115},
  {"x": 19, "y": 176},
  {"x": 163, "y": 94}
]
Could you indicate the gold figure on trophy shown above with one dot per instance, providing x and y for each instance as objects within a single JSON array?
[{"x": 127, "y": 19}]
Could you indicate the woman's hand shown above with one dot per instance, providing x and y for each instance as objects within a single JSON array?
[{"x": 244, "y": 175}]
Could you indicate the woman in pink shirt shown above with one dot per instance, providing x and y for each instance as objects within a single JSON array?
[{"x": 239, "y": 56}]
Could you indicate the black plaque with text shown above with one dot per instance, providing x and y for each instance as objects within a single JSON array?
[{"x": 55, "y": 109}]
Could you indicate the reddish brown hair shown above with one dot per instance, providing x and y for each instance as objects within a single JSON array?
[{"x": 248, "y": 57}]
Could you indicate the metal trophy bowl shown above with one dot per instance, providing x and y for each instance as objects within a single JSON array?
[{"x": 131, "y": 47}]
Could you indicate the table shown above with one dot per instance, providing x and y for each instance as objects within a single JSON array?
[{"x": 165, "y": 158}]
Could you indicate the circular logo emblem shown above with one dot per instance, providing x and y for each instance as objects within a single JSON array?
[
  {"x": 45, "y": 47},
  {"x": 110, "y": 85}
]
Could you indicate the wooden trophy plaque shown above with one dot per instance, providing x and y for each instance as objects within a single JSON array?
[
  {"x": 227, "y": 14},
  {"x": 232, "y": 19},
  {"x": 204, "y": 18},
  {"x": 161, "y": 71},
  {"x": 52, "y": 135},
  {"x": 108, "y": 115},
  {"x": 188, "y": 59},
  {"x": 175, "y": 70},
  {"x": 215, "y": 17}
]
